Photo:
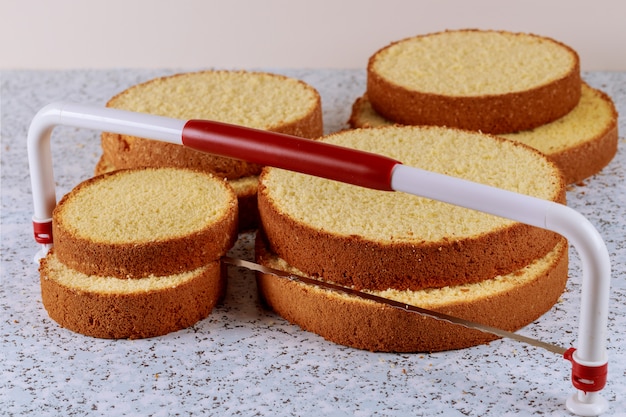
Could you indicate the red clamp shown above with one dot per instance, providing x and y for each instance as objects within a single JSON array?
[
  {"x": 586, "y": 378},
  {"x": 43, "y": 231}
]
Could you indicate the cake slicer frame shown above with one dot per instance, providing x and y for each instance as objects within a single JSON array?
[{"x": 589, "y": 360}]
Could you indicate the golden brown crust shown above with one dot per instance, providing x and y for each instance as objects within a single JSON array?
[
  {"x": 130, "y": 152},
  {"x": 132, "y": 315},
  {"x": 366, "y": 325},
  {"x": 362, "y": 263},
  {"x": 136, "y": 260},
  {"x": 490, "y": 114},
  {"x": 589, "y": 158},
  {"x": 502, "y": 113}
]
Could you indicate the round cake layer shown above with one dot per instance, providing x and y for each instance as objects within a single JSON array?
[
  {"x": 253, "y": 99},
  {"x": 508, "y": 302},
  {"x": 492, "y": 81},
  {"x": 145, "y": 221},
  {"x": 379, "y": 240},
  {"x": 581, "y": 143},
  {"x": 110, "y": 307}
]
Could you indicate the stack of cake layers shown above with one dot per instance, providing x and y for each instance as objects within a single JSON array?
[
  {"x": 437, "y": 102},
  {"x": 136, "y": 255},
  {"x": 410, "y": 249},
  {"x": 520, "y": 86}
]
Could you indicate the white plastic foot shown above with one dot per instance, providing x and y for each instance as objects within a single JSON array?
[{"x": 590, "y": 404}]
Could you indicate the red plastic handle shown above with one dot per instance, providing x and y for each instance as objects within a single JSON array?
[{"x": 290, "y": 152}]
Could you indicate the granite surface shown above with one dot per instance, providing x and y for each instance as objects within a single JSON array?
[{"x": 242, "y": 359}]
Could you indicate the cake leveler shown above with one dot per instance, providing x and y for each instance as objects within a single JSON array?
[{"x": 589, "y": 360}]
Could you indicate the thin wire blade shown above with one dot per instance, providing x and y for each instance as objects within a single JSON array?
[{"x": 396, "y": 304}]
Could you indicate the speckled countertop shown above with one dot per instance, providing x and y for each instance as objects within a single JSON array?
[{"x": 242, "y": 359}]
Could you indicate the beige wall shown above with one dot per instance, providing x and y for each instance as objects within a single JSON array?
[{"x": 50, "y": 34}]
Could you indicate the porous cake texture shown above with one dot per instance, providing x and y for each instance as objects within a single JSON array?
[{"x": 491, "y": 81}]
